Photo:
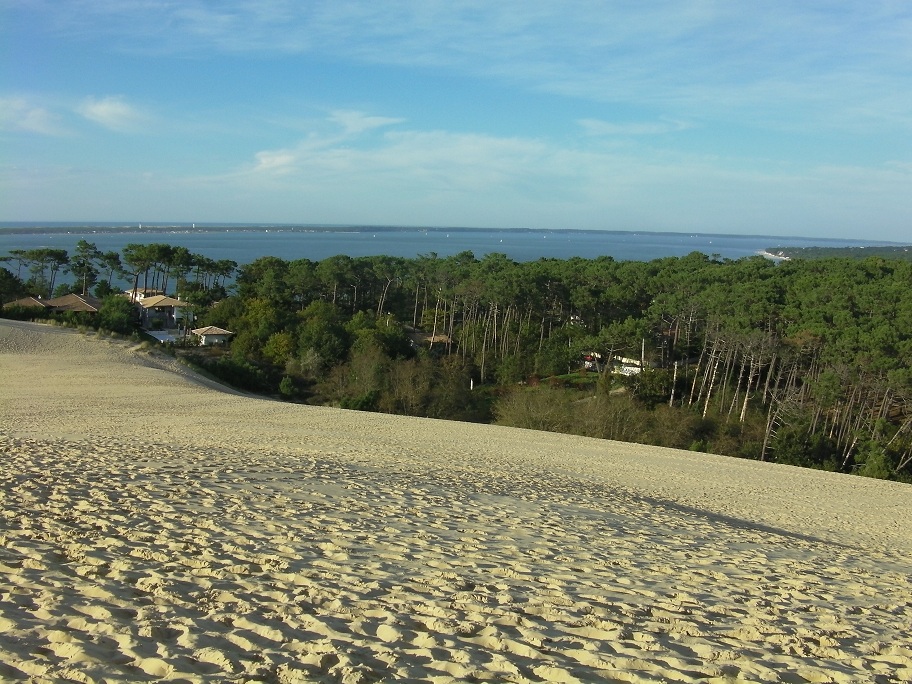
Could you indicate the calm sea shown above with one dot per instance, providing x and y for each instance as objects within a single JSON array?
[{"x": 244, "y": 244}]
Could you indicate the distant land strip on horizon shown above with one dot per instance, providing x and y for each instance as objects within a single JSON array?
[{"x": 890, "y": 251}]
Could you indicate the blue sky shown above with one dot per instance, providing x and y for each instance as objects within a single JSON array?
[{"x": 764, "y": 117}]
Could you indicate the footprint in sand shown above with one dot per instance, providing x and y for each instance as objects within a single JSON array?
[
  {"x": 215, "y": 659},
  {"x": 154, "y": 667},
  {"x": 388, "y": 634},
  {"x": 68, "y": 651}
]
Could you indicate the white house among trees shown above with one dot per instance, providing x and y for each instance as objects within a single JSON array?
[{"x": 211, "y": 335}]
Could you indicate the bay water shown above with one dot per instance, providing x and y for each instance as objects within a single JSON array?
[{"x": 244, "y": 244}]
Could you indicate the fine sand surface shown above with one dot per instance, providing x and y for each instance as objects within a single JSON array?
[{"x": 154, "y": 527}]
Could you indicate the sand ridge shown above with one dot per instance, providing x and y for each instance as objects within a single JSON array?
[{"x": 153, "y": 528}]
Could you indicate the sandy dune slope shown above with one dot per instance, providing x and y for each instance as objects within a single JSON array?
[{"x": 155, "y": 527}]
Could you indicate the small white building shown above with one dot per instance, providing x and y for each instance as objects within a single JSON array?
[
  {"x": 627, "y": 366},
  {"x": 211, "y": 335}
]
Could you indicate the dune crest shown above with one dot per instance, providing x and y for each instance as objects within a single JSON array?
[{"x": 154, "y": 527}]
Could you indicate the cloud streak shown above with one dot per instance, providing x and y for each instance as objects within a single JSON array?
[
  {"x": 112, "y": 112},
  {"x": 354, "y": 122},
  {"x": 21, "y": 114}
]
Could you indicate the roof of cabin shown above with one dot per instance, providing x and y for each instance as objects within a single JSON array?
[
  {"x": 74, "y": 302},
  {"x": 28, "y": 302},
  {"x": 211, "y": 330},
  {"x": 159, "y": 300}
]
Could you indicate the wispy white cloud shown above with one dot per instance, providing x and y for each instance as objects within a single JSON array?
[
  {"x": 408, "y": 163},
  {"x": 112, "y": 112},
  {"x": 340, "y": 130},
  {"x": 353, "y": 122},
  {"x": 275, "y": 161},
  {"x": 21, "y": 114}
]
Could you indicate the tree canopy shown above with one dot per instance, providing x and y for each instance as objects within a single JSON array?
[{"x": 802, "y": 361}]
